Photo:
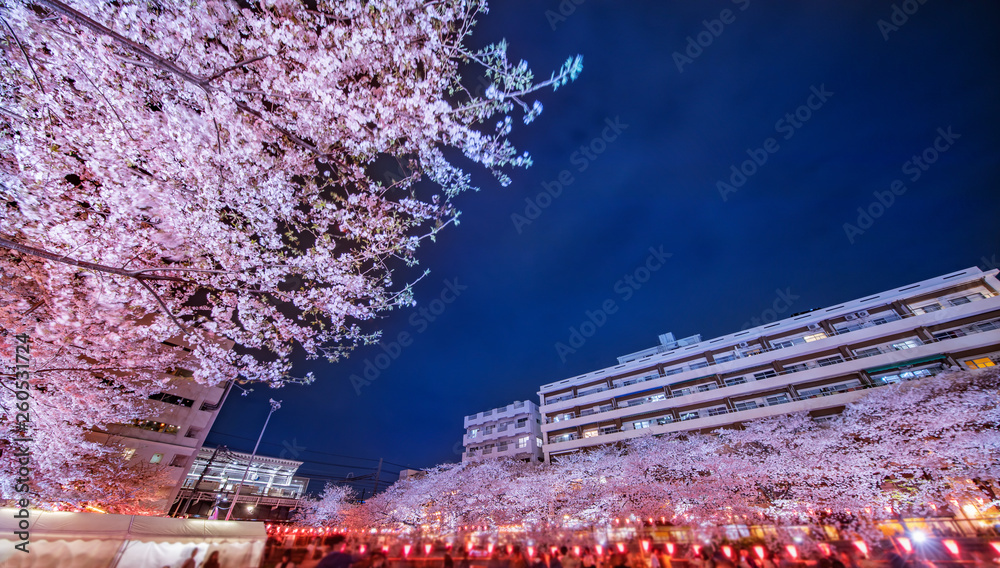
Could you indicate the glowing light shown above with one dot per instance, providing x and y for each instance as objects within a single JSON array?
[
  {"x": 531, "y": 552},
  {"x": 918, "y": 536},
  {"x": 728, "y": 551},
  {"x": 576, "y": 550},
  {"x": 792, "y": 551},
  {"x": 385, "y": 550},
  {"x": 970, "y": 510},
  {"x": 510, "y": 549},
  {"x": 362, "y": 549},
  {"x": 600, "y": 549},
  {"x": 469, "y": 546},
  {"x": 670, "y": 548},
  {"x": 951, "y": 545},
  {"x": 696, "y": 548},
  {"x": 406, "y": 549},
  {"x": 996, "y": 546},
  {"x": 489, "y": 548},
  {"x": 824, "y": 548},
  {"x": 553, "y": 550},
  {"x": 905, "y": 544},
  {"x": 860, "y": 545},
  {"x": 621, "y": 547},
  {"x": 428, "y": 548},
  {"x": 645, "y": 546}
]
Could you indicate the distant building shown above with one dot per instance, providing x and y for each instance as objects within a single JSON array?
[
  {"x": 178, "y": 422},
  {"x": 510, "y": 431},
  {"x": 816, "y": 361},
  {"x": 272, "y": 489},
  {"x": 410, "y": 474}
]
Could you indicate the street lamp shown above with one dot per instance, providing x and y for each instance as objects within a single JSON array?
[{"x": 275, "y": 405}]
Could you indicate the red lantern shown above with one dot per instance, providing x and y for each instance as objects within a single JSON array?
[
  {"x": 905, "y": 544},
  {"x": 670, "y": 548},
  {"x": 951, "y": 545},
  {"x": 645, "y": 546},
  {"x": 759, "y": 550},
  {"x": 728, "y": 551},
  {"x": 792, "y": 551}
]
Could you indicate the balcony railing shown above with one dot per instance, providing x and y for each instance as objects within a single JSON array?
[{"x": 971, "y": 329}]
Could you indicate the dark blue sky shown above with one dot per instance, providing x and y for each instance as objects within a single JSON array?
[{"x": 679, "y": 133}]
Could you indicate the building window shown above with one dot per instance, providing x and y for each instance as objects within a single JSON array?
[
  {"x": 640, "y": 425},
  {"x": 782, "y": 344},
  {"x": 701, "y": 365},
  {"x": 154, "y": 426},
  {"x": 487, "y": 430},
  {"x": 867, "y": 352},
  {"x": 673, "y": 372},
  {"x": 157, "y": 458},
  {"x": 590, "y": 433},
  {"x": 980, "y": 363},
  {"x": 830, "y": 361},
  {"x": 777, "y": 399},
  {"x": 718, "y": 410},
  {"x": 735, "y": 381},
  {"x": 178, "y": 460},
  {"x": 521, "y": 422},
  {"x": 908, "y": 344},
  {"x": 746, "y": 405},
  {"x": 538, "y": 442},
  {"x": 764, "y": 375},
  {"x": 128, "y": 453},
  {"x": 815, "y": 337},
  {"x": 959, "y": 301},
  {"x": 688, "y": 416},
  {"x": 473, "y": 432},
  {"x": 172, "y": 399},
  {"x": 725, "y": 358},
  {"x": 796, "y": 368},
  {"x": 522, "y": 442},
  {"x": 665, "y": 419}
]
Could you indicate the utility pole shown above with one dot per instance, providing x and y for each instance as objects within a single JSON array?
[
  {"x": 275, "y": 405},
  {"x": 378, "y": 472},
  {"x": 194, "y": 490}
]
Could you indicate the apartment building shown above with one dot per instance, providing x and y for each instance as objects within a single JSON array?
[
  {"x": 817, "y": 361},
  {"x": 509, "y": 431},
  {"x": 271, "y": 491},
  {"x": 177, "y": 423}
]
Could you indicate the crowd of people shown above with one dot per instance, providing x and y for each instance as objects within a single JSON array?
[{"x": 515, "y": 556}]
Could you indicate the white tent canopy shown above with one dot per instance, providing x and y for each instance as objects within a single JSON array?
[{"x": 93, "y": 540}]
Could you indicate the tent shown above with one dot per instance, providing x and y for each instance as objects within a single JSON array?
[{"x": 94, "y": 540}]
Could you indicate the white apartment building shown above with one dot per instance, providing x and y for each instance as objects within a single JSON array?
[
  {"x": 271, "y": 490},
  {"x": 179, "y": 419},
  {"x": 817, "y": 361},
  {"x": 510, "y": 431}
]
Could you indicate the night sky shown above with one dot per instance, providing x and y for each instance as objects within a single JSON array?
[{"x": 641, "y": 142}]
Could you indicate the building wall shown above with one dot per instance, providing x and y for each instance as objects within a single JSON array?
[
  {"x": 184, "y": 418},
  {"x": 817, "y": 361},
  {"x": 509, "y": 431}
]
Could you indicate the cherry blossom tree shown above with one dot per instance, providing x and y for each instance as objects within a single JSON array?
[
  {"x": 898, "y": 449},
  {"x": 208, "y": 171},
  {"x": 327, "y": 509}
]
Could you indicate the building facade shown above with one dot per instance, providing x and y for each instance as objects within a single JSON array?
[
  {"x": 271, "y": 491},
  {"x": 512, "y": 431},
  {"x": 179, "y": 418},
  {"x": 817, "y": 361}
]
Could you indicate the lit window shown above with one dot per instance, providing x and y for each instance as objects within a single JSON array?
[
  {"x": 522, "y": 442},
  {"x": 473, "y": 432},
  {"x": 157, "y": 458},
  {"x": 538, "y": 442},
  {"x": 128, "y": 453},
  {"x": 815, "y": 337},
  {"x": 640, "y": 425},
  {"x": 908, "y": 344},
  {"x": 590, "y": 433},
  {"x": 979, "y": 363}
]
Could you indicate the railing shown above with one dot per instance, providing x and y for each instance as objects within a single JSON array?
[
  {"x": 758, "y": 349},
  {"x": 971, "y": 329}
]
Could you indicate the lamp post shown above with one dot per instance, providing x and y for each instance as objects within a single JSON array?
[{"x": 275, "y": 405}]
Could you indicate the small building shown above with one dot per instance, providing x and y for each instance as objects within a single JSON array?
[
  {"x": 512, "y": 431},
  {"x": 271, "y": 491}
]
